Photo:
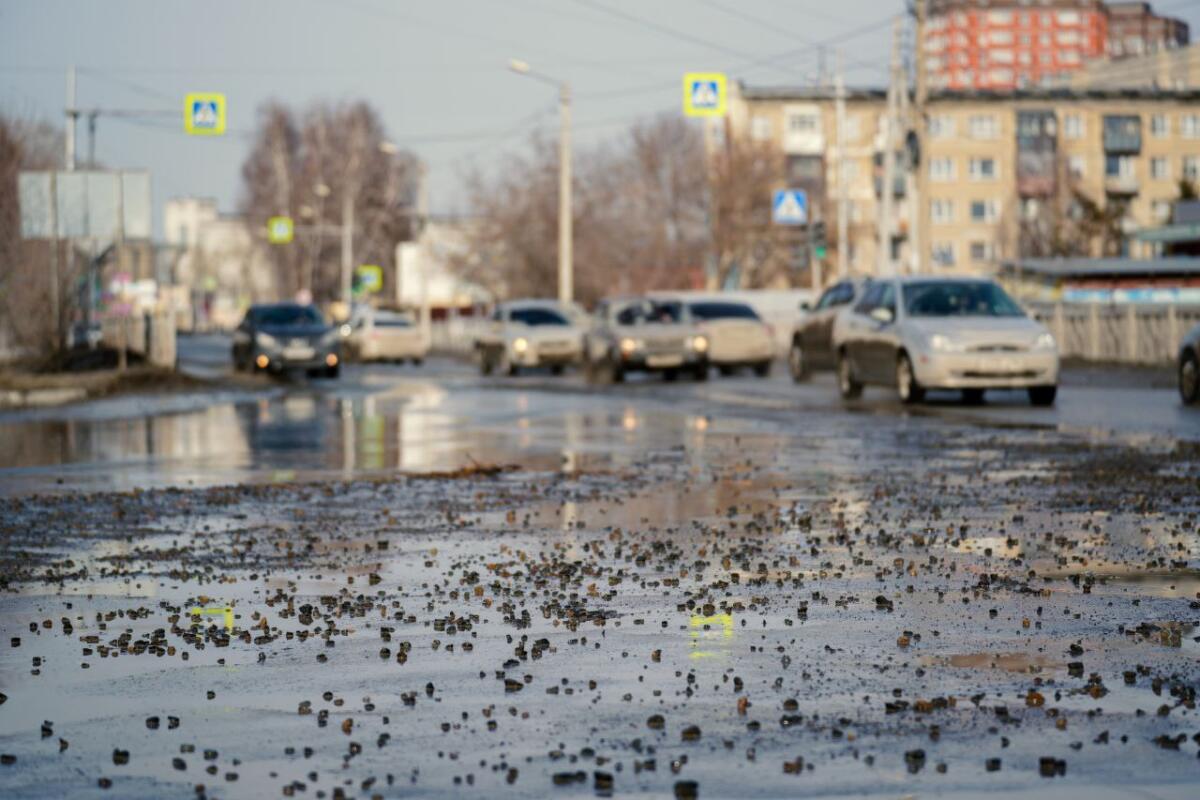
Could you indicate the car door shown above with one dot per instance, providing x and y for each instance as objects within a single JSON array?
[
  {"x": 857, "y": 328},
  {"x": 821, "y": 351}
]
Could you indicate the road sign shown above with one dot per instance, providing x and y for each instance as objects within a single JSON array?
[
  {"x": 704, "y": 94},
  {"x": 790, "y": 207},
  {"x": 204, "y": 114},
  {"x": 280, "y": 230},
  {"x": 370, "y": 278}
]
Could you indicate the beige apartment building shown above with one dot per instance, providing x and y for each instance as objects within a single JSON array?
[{"x": 1005, "y": 170}]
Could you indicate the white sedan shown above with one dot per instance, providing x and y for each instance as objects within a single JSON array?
[
  {"x": 525, "y": 334},
  {"x": 922, "y": 332}
]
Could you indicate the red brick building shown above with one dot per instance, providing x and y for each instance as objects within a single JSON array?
[{"x": 1010, "y": 44}]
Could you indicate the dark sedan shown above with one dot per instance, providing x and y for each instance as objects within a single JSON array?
[
  {"x": 1189, "y": 368},
  {"x": 287, "y": 337}
]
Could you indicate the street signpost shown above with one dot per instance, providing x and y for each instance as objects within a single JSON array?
[
  {"x": 705, "y": 94},
  {"x": 204, "y": 114},
  {"x": 790, "y": 207},
  {"x": 280, "y": 230},
  {"x": 370, "y": 278}
]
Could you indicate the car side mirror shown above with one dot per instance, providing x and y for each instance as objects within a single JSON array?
[
  {"x": 805, "y": 306},
  {"x": 882, "y": 315}
]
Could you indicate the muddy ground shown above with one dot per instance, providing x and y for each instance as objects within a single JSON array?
[{"x": 738, "y": 606}]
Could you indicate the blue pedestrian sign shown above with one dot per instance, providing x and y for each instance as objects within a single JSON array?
[
  {"x": 204, "y": 113},
  {"x": 704, "y": 94},
  {"x": 790, "y": 207}
]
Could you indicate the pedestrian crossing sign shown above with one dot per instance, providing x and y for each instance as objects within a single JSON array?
[
  {"x": 280, "y": 230},
  {"x": 790, "y": 207},
  {"x": 204, "y": 114},
  {"x": 704, "y": 94}
]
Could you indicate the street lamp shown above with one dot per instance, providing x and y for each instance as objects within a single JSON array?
[{"x": 566, "y": 271}]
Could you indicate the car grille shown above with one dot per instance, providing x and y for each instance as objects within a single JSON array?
[
  {"x": 554, "y": 348},
  {"x": 1004, "y": 375},
  {"x": 996, "y": 348},
  {"x": 664, "y": 346}
]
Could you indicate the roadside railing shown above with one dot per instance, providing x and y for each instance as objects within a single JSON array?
[{"x": 1127, "y": 334}]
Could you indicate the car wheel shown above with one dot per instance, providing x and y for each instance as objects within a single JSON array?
[
  {"x": 972, "y": 397},
  {"x": 506, "y": 365},
  {"x": 848, "y": 387},
  {"x": 333, "y": 372},
  {"x": 798, "y": 362},
  {"x": 670, "y": 375},
  {"x": 418, "y": 362},
  {"x": 725, "y": 371},
  {"x": 906, "y": 381},
  {"x": 1189, "y": 379},
  {"x": 1042, "y": 395},
  {"x": 763, "y": 369},
  {"x": 557, "y": 369},
  {"x": 485, "y": 361},
  {"x": 700, "y": 373}
]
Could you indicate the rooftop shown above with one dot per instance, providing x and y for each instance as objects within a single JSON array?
[{"x": 1103, "y": 267}]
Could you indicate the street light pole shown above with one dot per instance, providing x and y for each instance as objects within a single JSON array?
[
  {"x": 347, "y": 245},
  {"x": 566, "y": 264},
  {"x": 566, "y": 270}
]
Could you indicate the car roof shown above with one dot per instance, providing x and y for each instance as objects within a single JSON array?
[
  {"x": 906, "y": 279},
  {"x": 532, "y": 303}
]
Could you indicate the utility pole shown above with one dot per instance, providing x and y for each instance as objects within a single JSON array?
[
  {"x": 566, "y": 268},
  {"x": 843, "y": 214},
  {"x": 72, "y": 115},
  {"x": 886, "y": 223},
  {"x": 920, "y": 125},
  {"x": 912, "y": 200},
  {"x": 347, "y": 244}
]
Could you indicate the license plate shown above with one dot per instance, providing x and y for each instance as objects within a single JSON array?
[
  {"x": 298, "y": 353},
  {"x": 664, "y": 361}
]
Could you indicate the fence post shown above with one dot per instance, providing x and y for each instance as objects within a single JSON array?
[
  {"x": 1093, "y": 350},
  {"x": 1131, "y": 324},
  {"x": 1172, "y": 333}
]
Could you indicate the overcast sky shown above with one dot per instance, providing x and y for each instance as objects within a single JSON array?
[{"x": 435, "y": 69}]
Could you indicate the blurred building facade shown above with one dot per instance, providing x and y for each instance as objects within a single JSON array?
[
  {"x": 1013, "y": 44},
  {"x": 1008, "y": 172},
  {"x": 218, "y": 266},
  {"x": 1175, "y": 68}
]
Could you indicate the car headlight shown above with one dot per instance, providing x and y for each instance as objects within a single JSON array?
[
  {"x": 345, "y": 330},
  {"x": 266, "y": 340},
  {"x": 699, "y": 344},
  {"x": 944, "y": 344},
  {"x": 1045, "y": 342},
  {"x": 520, "y": 345},
  {"x": 628, "y": 346}
]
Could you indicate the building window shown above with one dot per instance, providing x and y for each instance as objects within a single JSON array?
[
  {"x": 984, "y": 211},
  {"x": 983, "y": 126},
  {"x": 1160, "y": 126},
  {"x": 1073, "y": 126},
  {"x": 1189, "y": 126},
  {"x": 802, "y": 123},
  {"x": 1118, "y": 166},
  {"x": 1191, "y": 168},
  {"x": 941, "y": 169},
  {"x": 1160, "y": 169},
  {"x": 943, "y": 254},
  {"x": 981, "y": 251},
  {"x": 760, "y": 129},
  {"x": 941, "y": 212},
  {"x": 941, "y": 126},
  {"x": 983, "y": 169}
]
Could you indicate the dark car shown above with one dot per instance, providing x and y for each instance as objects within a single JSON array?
[
  {"x": 1189, "y": 368},
  {"x": 284, "y": 337},
  {"x": 812, "y": 338}
]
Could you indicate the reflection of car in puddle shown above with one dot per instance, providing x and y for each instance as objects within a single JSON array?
[{"x": 710, "y": 635}]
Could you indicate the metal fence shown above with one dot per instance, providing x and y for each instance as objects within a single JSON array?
[{"x": 1128, "y": 334}]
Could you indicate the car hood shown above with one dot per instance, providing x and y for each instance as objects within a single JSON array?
[
  {"x": 979, "y": 331},
  {"x": 546, "y": 333}
]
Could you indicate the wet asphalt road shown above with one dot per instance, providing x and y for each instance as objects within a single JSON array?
[{"x": 734, "y": 589}]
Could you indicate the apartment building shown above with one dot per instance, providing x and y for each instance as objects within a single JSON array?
[
  {"x": 999, "y": 165},
  {"x": 1007, "y": 44},
  {"x": 1176, "y": 68},
  {"x": 1134, "y": 29}
]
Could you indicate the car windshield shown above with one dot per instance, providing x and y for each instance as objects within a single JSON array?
[
  {"x": 392, "y": 322},
  {"x": 535, "y": 317},
  {"x": 659, "y": 313},
  {"x": 708, "y": 311},
  {"x": 958, "y": 299},
  {"x": 288, "y": 315}
]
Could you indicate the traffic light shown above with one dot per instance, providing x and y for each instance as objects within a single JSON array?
[{"x": 818, "y": 238}]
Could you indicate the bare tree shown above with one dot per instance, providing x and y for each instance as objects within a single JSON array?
[
  {"x": 308, "y": 169},
  {"x": 749, "y": 250},
  {"x": 25, "y": 288},
  {"x": 1068, "y": 223}
]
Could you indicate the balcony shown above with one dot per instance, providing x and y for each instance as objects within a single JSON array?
[
  {"x": 1122, "y": 135},
  {"x": 1121, "y": 185}
]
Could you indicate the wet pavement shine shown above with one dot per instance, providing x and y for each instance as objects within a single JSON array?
[{"x": 417, "y": 583}]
